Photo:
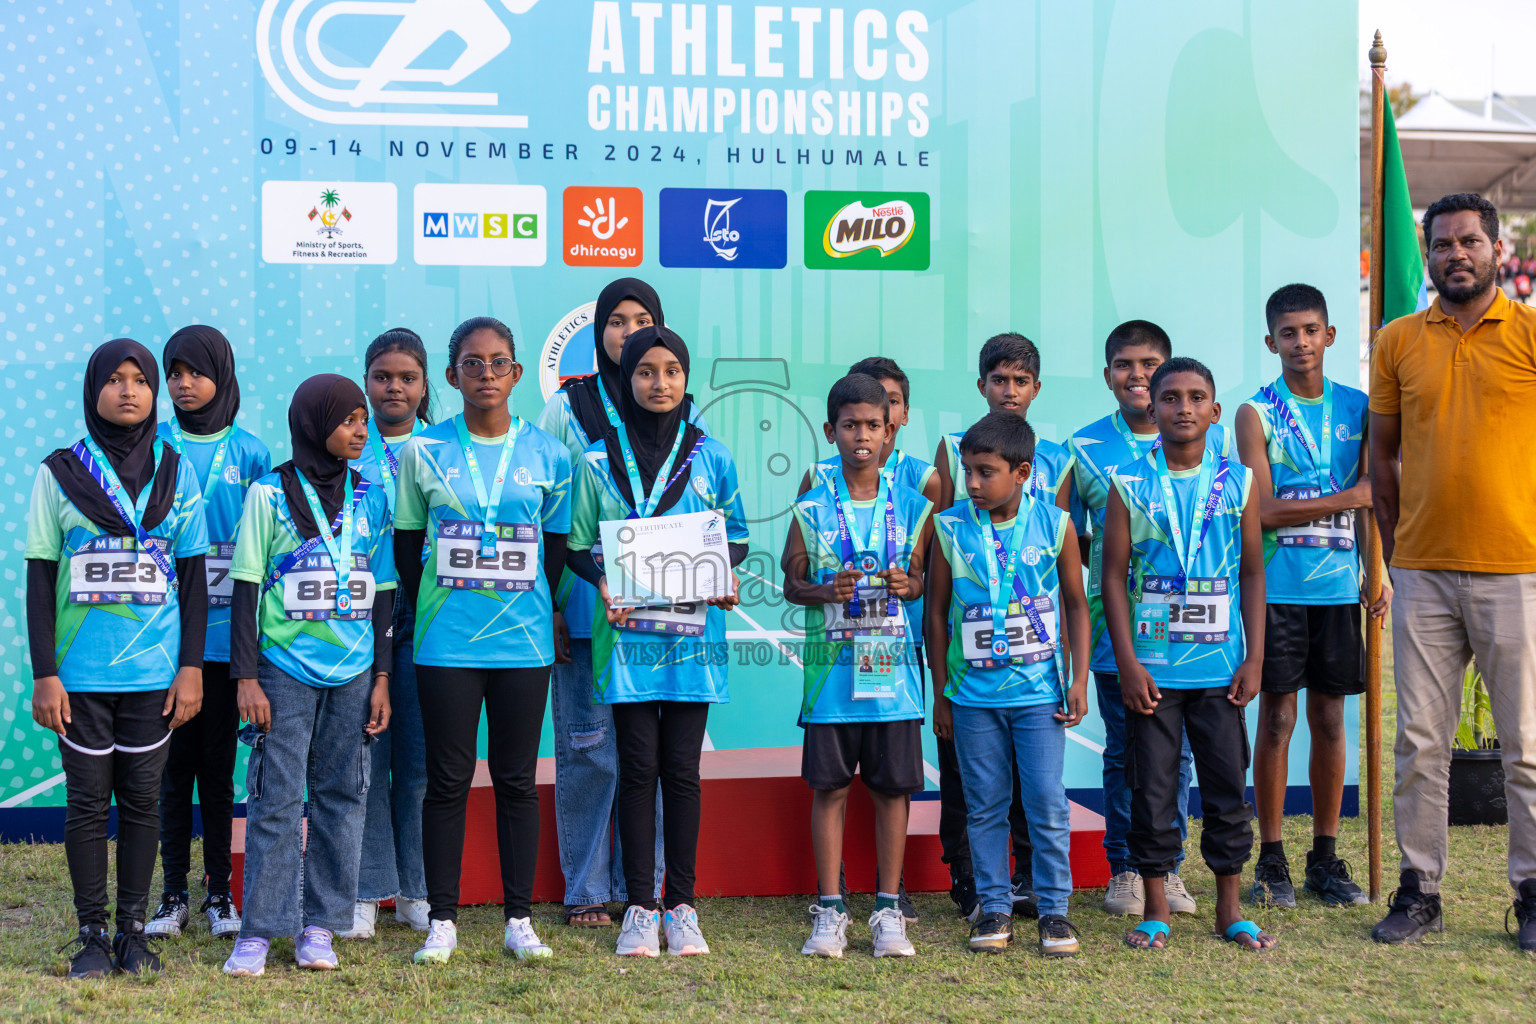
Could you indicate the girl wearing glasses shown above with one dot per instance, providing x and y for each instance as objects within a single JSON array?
[
  {"x": 656, "y": 463},
  {"x": 490, "y": 495}
]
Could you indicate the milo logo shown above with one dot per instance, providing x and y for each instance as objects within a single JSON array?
[{"x": 866, "y": 230}]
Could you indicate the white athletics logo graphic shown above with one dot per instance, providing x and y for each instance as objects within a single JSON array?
[
  {"x": 294, "y": 44},
  {"x": 717, "y": 227}
]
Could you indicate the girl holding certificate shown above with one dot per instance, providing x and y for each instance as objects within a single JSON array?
[
  {"x": 654, "y": 463},
  {"x": 116, "y": 609},
  {"x": 310, "y": 653},
  {"x": 395, "y": 378},
  {"x": 490, "y": 494}
]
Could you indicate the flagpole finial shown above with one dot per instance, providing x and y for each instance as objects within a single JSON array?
[{"x": 1378, "y": 52}]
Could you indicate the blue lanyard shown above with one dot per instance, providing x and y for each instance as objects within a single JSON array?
[
  {"x": 299, "y": 553},
  {"x": 841, "y": 503},
  {"x": 1003, "y": 575},
  {"x": 341, "y": 554},
  {"x": 1279, "y": 396},
  {"x": 489, "y": 504},
  {"x": 613, "y": 414},
  {"x": 1131, "y": 440},
  {"x": 1208, "y": 495},
  {"x": 100, "y": 468},
  {"x": 179, "y": 443},
  {"x": 644, "y": 510},
  {"x": 389, "y": 462}
]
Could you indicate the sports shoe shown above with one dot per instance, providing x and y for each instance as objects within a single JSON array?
[
  {"x": 1179, "y": 899},
  {"x": 1025, "y": 902},
  {"x": 171, "y": 917},
  {"x": 442, "y": 940},
  {"x": 248, "y": 959},
  {"x": 680, "y": 925},
  {"x": 413, "y": 914},
  {"x": 365, "y": 918},
  {"x": 903, "y": 903},
  {"x": 133, "y": 952},
  {"x": 640, "y": 934},
  {"x": 1329, "y": 879},
  {"x": 1414, "y": 913},
  {"x": 1126, "y": 894},
  {"x": 312, "y": 950},
  {"x": 963, "y": 892},
  {"x": 991, "y": 933},
  {"x": 520, "y": 940},
  {"x": 829, "y": 932},
  {"x": 1272, "y": 883},
  {"x": 1525, "y": 915},
  {"x": 223, "y": 918},
  {"x": 93, "y": 956},
  {"x": 889, "y": 930},
  {"x": 1058, "y": 937}
]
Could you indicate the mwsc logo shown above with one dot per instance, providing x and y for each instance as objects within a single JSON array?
[
  {"x": 479, "y": 225},
  {"x": 296, "y": 40}
]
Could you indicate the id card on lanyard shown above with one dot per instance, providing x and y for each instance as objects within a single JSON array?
[{"x": 100, "y": 469}]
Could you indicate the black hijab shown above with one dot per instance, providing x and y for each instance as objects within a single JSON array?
[
  {"x": 585, "y": 402},
  {"x": 130, "y": 450},
  {"x": 207, "y": 351},
  {"x": 319, "y": 406},
  {"x": 650, "y": 433}
]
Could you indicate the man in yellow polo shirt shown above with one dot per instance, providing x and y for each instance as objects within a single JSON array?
[{"x": 1453, "y": 392}]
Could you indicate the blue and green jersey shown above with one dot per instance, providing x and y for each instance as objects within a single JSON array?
[
  {"x": 473, "y": 611},
  {"x": 244, "y": 460},
  {"x": 890, "y": 687},
  {"x": 1052, "y": 465},
  {"x": 117, "y": 626},
  {"x": 1316, "y": 562},
  {"x": 1034, "y": 670},
  {"x": 635, "y": 665},
  {"x": 1204, "y": 640}
]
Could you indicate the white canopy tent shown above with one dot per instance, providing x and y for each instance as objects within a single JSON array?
[{"x": 1486, "y": 146}]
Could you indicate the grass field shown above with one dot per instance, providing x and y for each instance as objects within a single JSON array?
[{"x": 1326, "y": 968}]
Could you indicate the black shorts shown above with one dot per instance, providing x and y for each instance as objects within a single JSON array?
[
  {"x": 1314, "y": 647},
  {"x": 889, "y": 755}
]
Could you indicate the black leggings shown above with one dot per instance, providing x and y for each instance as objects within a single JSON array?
[
  {"x": 202, "y": 751},
  {"x": 659, "y": 740},
  {"x": 514, "y": 700},
  {"x": 114, "y": 745}
]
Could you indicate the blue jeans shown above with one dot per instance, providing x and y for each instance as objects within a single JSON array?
[
  {"x": 1117, "y": 795},
  {"x": 987, "y": 742},
  {"x": 391, "y": 861},
  {"x": 586, "y": 787},
  {"x": 295, "y": 879}
]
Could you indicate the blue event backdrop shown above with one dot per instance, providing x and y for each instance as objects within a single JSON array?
[{"x": 804, "y": 186}]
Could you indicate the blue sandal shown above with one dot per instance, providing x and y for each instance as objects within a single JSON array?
[
  {"x": 1251, "y": 930},
  {"x": 1153, "y": 930}
]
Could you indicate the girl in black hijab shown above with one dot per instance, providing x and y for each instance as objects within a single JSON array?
[
  {"x": 318, "y": 690},
  {"x": 200, "y": 379},
  {"x": 623, "y": 307},
  {"x": 116, "y": 639},
  {"x": 673, "y": 662}
]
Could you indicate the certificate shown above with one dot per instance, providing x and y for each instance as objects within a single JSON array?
[{"x": 668, "y": 560}]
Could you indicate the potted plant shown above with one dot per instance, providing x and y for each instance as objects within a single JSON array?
[{"x": 1477, "y": 774}]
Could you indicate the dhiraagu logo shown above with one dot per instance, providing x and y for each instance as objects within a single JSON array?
[
  {"x": 866, "y": 230},
  {"x": 480, "y": 225}
]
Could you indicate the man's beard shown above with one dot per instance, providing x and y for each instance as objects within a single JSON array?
[{"x": 1482, "y": 280}]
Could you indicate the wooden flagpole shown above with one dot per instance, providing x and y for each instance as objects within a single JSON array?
[{"x": 1373, "y": 566}]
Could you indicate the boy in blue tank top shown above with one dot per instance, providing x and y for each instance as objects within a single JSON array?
[
  {"x": 854, "y": 559},
  {"x": 1005, "y": 605},
  {"x": 1008, "y": 369},
  {"x": 1189, "y": 641},
  {"x": 1303, "y": 437}
]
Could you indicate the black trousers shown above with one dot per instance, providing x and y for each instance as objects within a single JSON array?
[
  {"x": 114, "y": 746},
  {"x": 1218, "y": 738},
  {"x": 514, "y": 700},
  {"x": 659, "y": 741},
  {"x": 954, "y": 841},
  {"x": 202, "y": 753}
]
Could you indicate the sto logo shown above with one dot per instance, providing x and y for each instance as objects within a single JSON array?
[{"x": 295, "y": 40}]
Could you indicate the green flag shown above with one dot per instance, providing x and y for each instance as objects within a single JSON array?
[{"x": 1402, "y": 266}]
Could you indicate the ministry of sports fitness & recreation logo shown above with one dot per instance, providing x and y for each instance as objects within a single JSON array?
[
  {"x": 300, "y": 43},
  {"x": 328, "y": 216}
]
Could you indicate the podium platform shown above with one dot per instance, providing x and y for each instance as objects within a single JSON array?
[{"x": 754, "y": 840}]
